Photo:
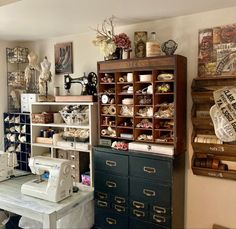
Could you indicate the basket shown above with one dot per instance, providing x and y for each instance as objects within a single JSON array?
[
  {"x": 75, "y": 139},
  {"x": 75, "y": 118},
  {"x": 42, "y": 118}
]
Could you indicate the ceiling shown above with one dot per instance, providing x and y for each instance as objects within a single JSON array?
[{"x": 24, "y": 20}]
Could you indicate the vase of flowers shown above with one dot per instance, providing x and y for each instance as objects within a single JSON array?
[{"x": 111, "y": 45}]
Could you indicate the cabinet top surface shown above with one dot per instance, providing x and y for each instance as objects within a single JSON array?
[{"x": 64, "y": 103}]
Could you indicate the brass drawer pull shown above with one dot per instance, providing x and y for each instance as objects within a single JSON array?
[
  {"x": 159, "y": 219},
  {"x": 119, "y": 208},
  {"x": 139, "y": 213},
  {"x": 159, "y": 210},
  {"x": 102, "y": 196},
  {"x": 102, "y": 204},
  {"x": 149, "y": 169},
  {"x": 110, "y": 184},
  {"x": 111, "y": 163},
  {"x": 110, "y": 221},
  {"x": 119, "y": 200},
  {"x": 138, "y": 204},
  {"x": 148, "y": 192}
]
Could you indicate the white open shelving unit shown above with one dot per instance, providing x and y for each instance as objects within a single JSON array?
[{"x": 77, "y": 147}]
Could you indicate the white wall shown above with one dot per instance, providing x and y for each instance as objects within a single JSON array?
[{"x": 208, "y": 200}]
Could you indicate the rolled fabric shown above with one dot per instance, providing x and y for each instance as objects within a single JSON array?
[
  {"x": 105, "y": 110},
  {"x": 104, "y": 132},
  {"x": 112, "y": 110},
  {"x": 121, "y": 79}
]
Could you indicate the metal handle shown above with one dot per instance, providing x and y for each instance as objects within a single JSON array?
[
  {"x": 149, "y": 169},
  {"x": 110, "y": 221},
  {"x": 138, "y": 213},
  {"x": 102, "y": 195},
  {"x": 148, "y": 192},
  {"x": 159, "y": 210},
  {"x": 138, "y": 204},
  {"x": 119, "y": 200},
  {"x": 102, "y": 203},
  {"x": 159, "y": 219},
  {"x": 111, "y": 163},
  {"x": 119, "y": 208},
  {"x": 110, "y": 184}
]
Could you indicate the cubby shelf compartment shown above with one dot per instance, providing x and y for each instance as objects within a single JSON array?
[{"x": 202, "y": 96}]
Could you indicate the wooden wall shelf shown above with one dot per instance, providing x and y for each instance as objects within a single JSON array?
[{"x": 202, "y": 96}]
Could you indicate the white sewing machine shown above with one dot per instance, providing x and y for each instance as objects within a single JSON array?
[
  {"x": 57, "y": 186},
  {"x": 7, "y": 163}
]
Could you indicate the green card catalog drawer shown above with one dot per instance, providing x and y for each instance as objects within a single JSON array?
[
  {"x": 107, "y": 219},
  {"x": 138, "y": 224},
  {"x": 160, "y": 219},
  {"x": 150, "y": 168},
  {"x": 112, "y": 163},
  {"x": 115, "y": 185},
  {"x": 149, "y": 191}
]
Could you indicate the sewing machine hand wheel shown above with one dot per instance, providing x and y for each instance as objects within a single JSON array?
[{"x": 92, "y": 79}]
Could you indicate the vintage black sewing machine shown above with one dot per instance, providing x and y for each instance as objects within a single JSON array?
[{"x": 88, "y": 83}]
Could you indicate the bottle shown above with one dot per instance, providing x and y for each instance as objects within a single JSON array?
[{"x": 153, "y": 47}]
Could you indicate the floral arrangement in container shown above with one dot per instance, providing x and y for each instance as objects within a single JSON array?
[{"x": 111, "y": 45}]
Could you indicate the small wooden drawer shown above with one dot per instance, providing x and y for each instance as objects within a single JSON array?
[
  {"x": 115, "y": 185},
  {"x": 159, "y": 219},
  {"x": 107, "y": 219},
  {"x": 139, "y": 224},
  {"x": 119, "y": 209},
  {"x": 139, "y": 214},
  {"x": 116, "y": 164},
  {"x": 150, "y": 168},
  {"x": 149, "y": 191}
]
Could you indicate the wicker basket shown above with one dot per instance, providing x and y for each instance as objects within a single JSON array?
[{"x": 42, "y": 118}]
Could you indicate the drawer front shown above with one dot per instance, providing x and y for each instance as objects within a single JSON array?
[
  {"x": 112, "y": 163},
  {"x": 160, "y": 209},
  {"x": 107, "y": 219},
  {"x": 115, "y": 185},
  {"x": 150, "y": 168},
  {"x": 137, "y": 204},
  {"x": 138, "y": 224},
  {"x": 149, "y": 191},
  {"x": 102, "y": 196}
]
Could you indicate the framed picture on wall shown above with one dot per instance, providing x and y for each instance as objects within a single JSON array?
[{"x": 63, "y": 58}]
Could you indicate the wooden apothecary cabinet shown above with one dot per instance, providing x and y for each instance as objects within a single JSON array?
[{"x": 131, "y": 93}]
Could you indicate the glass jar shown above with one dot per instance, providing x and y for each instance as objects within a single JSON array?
[{"x": 153, "y": 47}]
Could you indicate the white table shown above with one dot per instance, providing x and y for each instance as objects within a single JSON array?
[{"x": 47, "y": 212}]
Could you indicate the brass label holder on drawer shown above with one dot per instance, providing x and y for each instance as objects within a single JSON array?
[
  {"x": 111, "y": 184},
  {"x": 110, "y": 163},
  {"x": 139, "y": 205},
  {"x": 111, "y": 221},
  {"x": 149, "y": 169},
  {"x": 119, "y": 200},
  {"x": 159, "y": 210},
  {"x": 139, "y": 213},
  {"x": 102, "y": 196},
  {"x": 102, "y": 203},
  {"x": 159, "y": 219},
  {"x": 148, "y": 192},
  {"x": 119, "y": 208}
]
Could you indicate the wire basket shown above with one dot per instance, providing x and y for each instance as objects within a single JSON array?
[{"x": 75, "y": 118}]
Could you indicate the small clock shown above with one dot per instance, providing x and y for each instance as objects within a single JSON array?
[{"x": 105, "y": 99}]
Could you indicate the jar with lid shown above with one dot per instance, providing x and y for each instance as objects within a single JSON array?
[{"x": 153, "y": 47}]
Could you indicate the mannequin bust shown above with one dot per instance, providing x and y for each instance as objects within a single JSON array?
[
  {"x": 45, "y": 75},
  {"x": 31, "y": 69}
]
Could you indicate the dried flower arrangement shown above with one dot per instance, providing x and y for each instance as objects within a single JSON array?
[{"x": 107, "y": 40}]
